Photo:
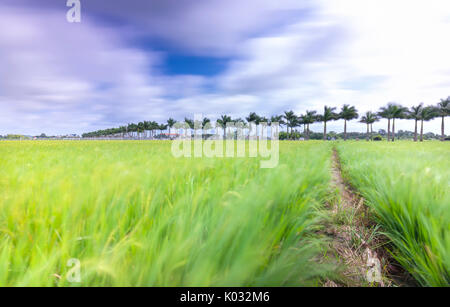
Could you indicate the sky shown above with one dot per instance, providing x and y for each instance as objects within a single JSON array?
[{"x": 135, "y": 60}]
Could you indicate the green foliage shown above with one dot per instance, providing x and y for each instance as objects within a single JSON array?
[
  {"x": 378, "y": 138},
  {"x": 348, "y": 112},
  {"x": 15, "y": 137},
  {"x": 136, "y": 216},
  {"x": 407, "y": 186},
  {"x": 289, "y": 136}
]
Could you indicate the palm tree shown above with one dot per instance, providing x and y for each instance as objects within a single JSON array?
[
  {"x": 328, "y": 114},
  {"x": 428, "y": 113},
  {"x": 277, "y": 119},
  {"x": 154, "y": 126},
  {"x": 147, "y": 126},
  {"x": 141, "y": 128},
  {"x": 253, "y": 118},
  {"x": 190, "y": 123},
  {"x": 171, "y": 122},
  {"x": 372, "y": 117},
  {"x": 240, "y": 120},
  {"x": 366, "y": 119},
  {"x": 309, "y": 118},
  {"x": 347, "y": 113},
  {"x": 415, "y": 113},
  {"x": 301, "y": 121},
  {"x": 291, "y": 121},
  {"x": 198, "y": 124},
  {"x": 387, "y": 112},
  {"x": 443, "y": 111},
  {"x": 399, "y": 112},
  {"x": 369, "y": 118},
  {"x": 206, "y": 123},
  {"x": 132, "y": 128},
  {"x": 242, "y": 124},
  {"x": 223, "y": 121},
  {"x": 162, "y": 127},
  {"x": 260, "y": 120}
]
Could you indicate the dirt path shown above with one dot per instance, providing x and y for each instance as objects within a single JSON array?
[{"x": 355, "y": 240}]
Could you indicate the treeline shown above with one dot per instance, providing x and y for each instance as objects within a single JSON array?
[
  {"x": 377, "y": 136},
  {"x": 392, "y": 111},
  {"x": 14, "y": 137}
]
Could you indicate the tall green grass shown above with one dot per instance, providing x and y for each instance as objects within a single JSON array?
[
  {"x": 408, "y": 186},
  {"x": 135, "y": 216}
]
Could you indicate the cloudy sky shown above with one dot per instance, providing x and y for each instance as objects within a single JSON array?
[{"x": 135, "y": 60}]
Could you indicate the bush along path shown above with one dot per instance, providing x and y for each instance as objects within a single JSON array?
[{"x": 356, "y": 244}]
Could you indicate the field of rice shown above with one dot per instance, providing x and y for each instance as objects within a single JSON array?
[
  {"x": 133, "y": 215},
  {"x": 408, "y": 187}
]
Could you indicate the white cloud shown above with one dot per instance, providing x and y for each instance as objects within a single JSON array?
[
  {"x": 60, "y": 78},
  {"x": 364, "y": 53}
]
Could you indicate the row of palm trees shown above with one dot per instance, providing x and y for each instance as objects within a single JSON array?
[
  {"x": 290, "y": 120},
  {"x": 142, "y": 129}
]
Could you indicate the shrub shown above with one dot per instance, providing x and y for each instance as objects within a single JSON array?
[{"x": 378, "y": 138}]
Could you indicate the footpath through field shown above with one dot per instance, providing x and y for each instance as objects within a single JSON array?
[{"x": 355, "y": 240}]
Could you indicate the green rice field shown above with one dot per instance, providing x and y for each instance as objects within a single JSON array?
[
  {"x": 408, "y": 186},
  {"x": 134, "y": 215}
]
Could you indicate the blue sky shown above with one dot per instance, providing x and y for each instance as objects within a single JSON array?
[
  {"x": 180, "y": 64},
  {"x": 134, "y": 60}
]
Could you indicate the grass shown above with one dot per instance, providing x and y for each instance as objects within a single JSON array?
[
  {"x": 136, "y": 216},
  {"x": 407, "y": 186}
]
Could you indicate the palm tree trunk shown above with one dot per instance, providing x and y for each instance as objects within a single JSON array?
[
  {"x": 442, "y": 129},
  {"x": 345, "y": 130},
  {"x": 415, "y": 131},
  {"x": 308, "y": 132},
  {"x": 367, "y": 132},
  {"x": 421, "y": 131},
  {"x": 324, "y": 130},
  {"x": 389, "y": 130},
  {"x": 371, "y": 132},
  {"x": 393, "y": 129}
]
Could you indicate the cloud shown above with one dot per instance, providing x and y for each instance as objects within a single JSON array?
[
  {"x": 202, "y": 27},
  {"x": 60, "y": 78},
  {"x": 57, "y": 77},
  {"x": 351, "y": 52}
]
